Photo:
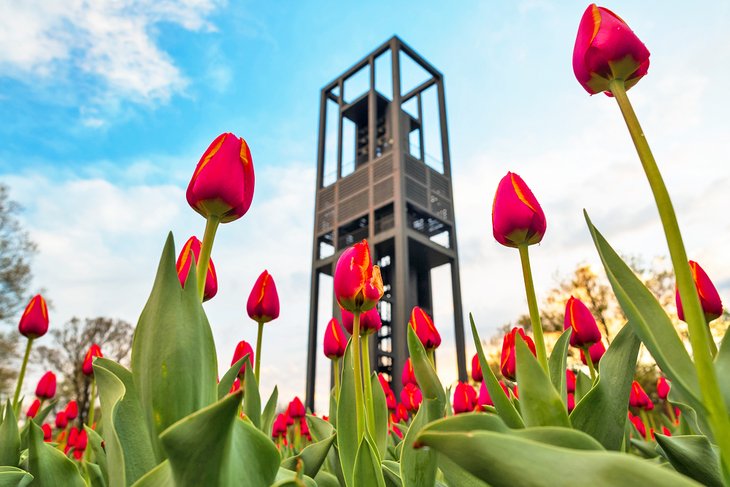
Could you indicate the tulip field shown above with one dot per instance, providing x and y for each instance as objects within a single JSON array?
[{"x": 174, "y": 419}]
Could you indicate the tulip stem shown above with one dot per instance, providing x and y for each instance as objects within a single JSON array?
[
  {"x": 259, "y": 338},
  {"x": 670, "y": 408},
  {"x": 21, "y": 375},
  {"x": 431, "y": 354},
  {"x": 358, "y": 374},
  {"x": 201, "y": 270},
  {"x": 336, "y": 368},
  {"x": 92, "y": 409},
  {"x": 694, "y": 316},
  {"x": 367, "y": 385},
  {"x": 645, "y": 420},
  {"x": 589, "y": 362},
  {"x": 532, "y": 305}
]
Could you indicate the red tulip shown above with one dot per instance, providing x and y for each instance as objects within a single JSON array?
[
  {"x": 263, "y": 302},
  {"x": 411, "y": 397},
  {"x": 570, "y": 380},
  {"x": 357, "y": 282},
  {"x": 408, "y": 376},
  {"x": 236, "y": 386},
  {"x": 508, "y": 351},
  {"x": 223, "y": 182},
  {"x": 33, "y": 409},
  {"x": 517, "y": 218},
  {"x": 401, "y": 413},
  {"x": 390, "y": 400},
  {"x": 606, "y": 49},
  {"x": 384, "y": 383},
  {"x": 183, "y": 267},
  {"x": 571, "y": 402},
  {"x": 579, "y": 318},
  {"x": 638, "y": 424},
  {"x": 88, "y": 366},
  {"x": 47, "y": 432},
  {"x": 280, "y": 425},
  {"x": 370, "y": 321},
  {"x": 72, "y": 410},
  {"x": 304, "y": 426},
  {"x": 665, "y": 431},
  {"x": 335, "y": 341},
  {"x": 82, "y": 440},
  {"x": 397, "y": 432},
  {"x": 46, "y": 387},
  {"x": 639, "y": 398},
  {"x": 709, "y": 298},
  {"x": 423, "y": 325},
  {"x": 596, "y": 350},
  {"x": 465, "y": 398},
  {"x": 662, "y": 388},
  {"x": 476, "y": 369},
  {"x": 296, "y": 409},
  {"x": 34, "y": 322},
  {"x": 61, "y": 420},
  {"x": 242, "y": 349},
  {"x": 504, "y": 388},
  {"x": 515, "y": 392},
  {"x": 484, "y": 398}
]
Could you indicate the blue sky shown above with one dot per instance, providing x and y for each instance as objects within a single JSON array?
[{"x": 107, "y": 107}]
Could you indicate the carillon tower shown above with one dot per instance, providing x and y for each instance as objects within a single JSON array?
[{"x": 384, "y": 174}]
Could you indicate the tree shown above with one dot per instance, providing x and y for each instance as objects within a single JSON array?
[{"x": 70, "y": 344}]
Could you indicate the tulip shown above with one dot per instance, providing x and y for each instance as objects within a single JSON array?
[
  {"x": 33, "y": 409},
  {"x": 484, "y": 398},
  {"x": 357, "y": 282},
  {"x": 515, "y": 392},
  {"x": 411, "y": 397},
  {"x": 184, "y": 263},
  {"x": 280, "y": 426},
  {"x": 384, "y": 383},
  {"x": 47, "y": 432},
  {"x": 662, "y": 388},
  {"x": 465, "y": 398},
  {"x": 46, "y": 387},
  {"x": 296, "y": 409},
  {"x": 570, "y": 380},
  {"x": 263, "y": 302},
  {"x": 370, "y": 321},
  {"x": 595, "y": 352},
  {"x": 638, "y": 424},
  {"x": 72, "y": 410},
  {"x": 508, "y": 364},
  {"x": 571, "y": 402},
  {"x": 665, "y": 431},
  {"x": 242, "y": 349},
  {"x": 408, "y": 376},
  {"x": 517, "y": 218},
  {"x": 335, "y": 341},
  {"x": 390, "y": 400},
  {"x": 638, "y": 398},
  {"x": 607, "y": 49},
  {"x": 236, "y": 386},
  {"x": 426, "y": 331},
  {"x": 476, "y": 369},
  {"x": 396, "y": 431},
  {"x": 401, "y": 413},
  {"x": 709, "y": 298},
  {"x": 579, "y": 318},
  {"x": 34, "y": 322},
  {"x": 82, "y": 440},
  {"x": 88, "y": 366},
  {"x": 61, "y": 420}
]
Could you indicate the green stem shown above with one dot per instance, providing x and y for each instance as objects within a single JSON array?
[
  {"x": 368, "y": 386},
  {"x": 92, "y": 398},
  {"x": 694, "y": 316},
  {"x": 670, "y": 408},
  {"x": 201, "y": 270},
  {"x": 336, "y": 367},
  {"x": 258, "y": 352},
  {"x": 647, "y": 426},
  {"x": 358, "y": 374},
  {"x": 21, "y": 375},
  {"x": 534, "y": 311},
  {"x": 589, "y": 362},
  {"x": 297, "y": 434},
  {"x": 431, "y": 354}
]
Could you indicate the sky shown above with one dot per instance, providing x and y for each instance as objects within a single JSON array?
[{"x": 106, "y": 108}]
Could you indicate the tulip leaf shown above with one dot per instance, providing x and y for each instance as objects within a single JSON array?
[
  {"x": 347, "y": 435},
  {"x": 214, "y": 446},
  {"x": 49, "y": 466},
  {"x": 504, "y": 406},
  {"x": 583, "y": 384},
  {"x": 225, "y": 384},
  {"x": 173, "y": 354},
  {"x": 287, "y": 478},
  {"x": 94, "y": 474},
  {"x": 609, "y": 397},
  {"x": 557, "y": 364},
  {"x": 326, "y": 479},
  {"x": 509, "y": 460},
  {"x": 267, "y": 417},
  {"x": 722, "y": 368},
  {"x": 650, "y": 321},
  {"x": 391, "y": 473},
  {"x": 368, "y": 471},
  {"x": 380, "y": 407},
  {"x": 456, "y": 476},
  {"x": 160, "y": 476},
  {"x": 43, "y": 413},
  {"x": 98, "y": 453},
  {"x": 692, "y": 456},
  {"x": 540, "y": 403},
  {"x": 14, "y": 477},
  {"x": 319, "y": 428},
  {"x": 251, "y": 397},
  {"x": 9, "y": 438},
  {"x": 312, "y": 456},
  {"x": 129, "y": 449}
]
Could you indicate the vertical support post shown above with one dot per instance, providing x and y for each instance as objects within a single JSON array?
[
  {"x": 341, "y": 86},
  {"x": 422, "y": 148},
  {"x": 312, "y": 344}
]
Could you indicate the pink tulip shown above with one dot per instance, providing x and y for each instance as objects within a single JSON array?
[
  {"x": 184, "y": 264},
  {"x": 639, "y": 398},
  {"x": 242, "y": 349},
  {"x": 484, "y": 398},
  {"x": 33, "y": 409},
  {"x": 662, "y": 388},
  {"x": 46, "y": 388},
  {"x": 263, "y": 302},
  {"x": 411, "y": 397},
  {"x": 476, "y": 369},
  {"x": 596, "y": 350},
  {"x": 408, "y": 376},
  {"x": 34, "y": 322},
  {"x": 357, "y": 282},
  {"x": 335, "y": 341},
  {"x": 72, "y": 410},
  {"x": 296, "y": 409},
  {"x": 465, "y": 398},
  {"x": 570, "y": 380},
  {"x": 517, "y": 218},
  {"x": 579, "y": 318},
  {"x": 508, "y": 363},
  {"x": 426, "y": 331},
  {"x": 709, "y": 297},
  {"x": 370, "y": 321},
  {"x": 88, "y": 366}
]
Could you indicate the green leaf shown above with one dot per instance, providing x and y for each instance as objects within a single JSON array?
[
  {"x": 225, "y": 384},
  {"x": 650, "y": 321},
  {"x": 367, "y": 466},
  {"x": 602, "y": 411},
  {"x": 380, "y": 407},
  {"x": 214, "y": 446},
  {"x": 14, "y": 477},
  {"x": 391, "y": 473},
  {"x": 9, "y": 438},
  {"x": 173, "y": 355},
  {"x": 251, "y": 397},
  {"x": 326, "y": 479},
  {"x": 583, "y": 384},
  {"x": 540, "y": 403},
  {"x": 94, "y": 474},
  {"x": 98, "y": 454},
  {"x": 48, "y": 466},
  {"x": 693, "y": 456},
  {"x": 556, "y": 364},
  {"x": 129, "y": 449},
  {"x": 43, "y": 413},
  {"x": 319, "y": 428},
  {"x": 508, "y": 460},
  {"x": 456, "y": 476},
  {"x": 287, "y": 478},
  {"x": 347, "y": 437},
  {"x": 722, "y": 368},
  {"x": 267, "y": 417},
  {"x": 160, "y": 476},
  {"x": 504, "y": 406},
  {"x": 314, "y": 454}
]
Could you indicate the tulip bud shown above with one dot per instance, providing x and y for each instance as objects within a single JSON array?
[
  {"x": 242, "y": 349},
  {"x": 596, "y": 350},
  {"x": 570, "y": 380},
  {"x": 88, "y": 366},
  {"x": 370, "y": 321},
  {"x": 47, "y": 432},
  {"x": 34, "y": 322},
  {"x": 384, "y": 383},
  {"x": 304, "y": 426},
  {"x": 508, "y": 364},
  {"x": 357, "y": 282},
  {"x": 72, "y": 410},
  {"x": 61, "y": 420},
  {"x": 665, "y": 431},
  {"x": 662, "y": 388},
  {"x": 411, "y": 397},
  {"x": 390, "y": 400},
  {"x": 397, "y": 432},
  {"x": 465, "y": 398},
  {"x": 476, "y": 369},
  {"x": 263, "y": 302},
  {"x": 280, "y": 426},
  {"x": 33, "y": 409},
  {"x": 638, "y": 397},
  {"x": 607, "y": 49},
  {"x": 236, "y": 386},
  {"x": 579, "y": 318},
  {"x": 335, "y": 341},
  {"x": 184, "y": 264},
  {"x": 484, "y": 398},
  {"x": 709, "y": 297},
  {"x": 426, "y": 331},
  {"x": 223, "y": 182},
  {"x": 296, "y": 409},
  {"x": 571, "y": 402},
  {"x": 517, "y": 218},
  {"x": 638, "y": 424},
  {"x": 82, "y": 440},
  {"x": 515, "y": 391},
  {"x": 408, "y": 376},
  {"x": 46, "y": 387},
  {"x": 401, "y": 413}
]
